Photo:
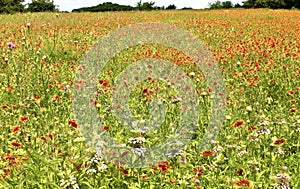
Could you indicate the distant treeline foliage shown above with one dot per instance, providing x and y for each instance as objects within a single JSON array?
[
  {"x": 108, "y": 6},
  {"x": 105, "y": 7},
  {"x": 13, "y": 6},
  {"x": 272, "y": 4}
]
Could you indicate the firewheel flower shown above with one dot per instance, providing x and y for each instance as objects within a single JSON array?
[
  {"x": 278, "y": 142},
  {"x": 207, "y": 153},
  {"x": 244, "y": 183},
  {"x": 24, "y": 119},
  {"x": 16, "y": 144},
  {"x": 238, "y": 123}
]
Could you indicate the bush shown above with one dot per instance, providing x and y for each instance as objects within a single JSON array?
[{"x": 171, "y": 7}]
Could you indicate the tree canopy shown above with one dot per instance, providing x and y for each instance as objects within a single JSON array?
[
  {"x": 105, "y": 7},
  {"x": 171, "y": 7},
  {"x": 41, "y": 6},
  {"x": 11, "y": 6},
  {"x": 273, "y": 4}
]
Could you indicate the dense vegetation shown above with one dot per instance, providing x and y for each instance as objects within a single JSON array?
[
  {"x": 258, "y": 147},
  {"x": 12, "y": 6},
  {"x": 273, "y": 4},
  {"x": 105, "y": 7}
]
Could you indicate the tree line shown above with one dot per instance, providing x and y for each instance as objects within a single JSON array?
[
  {"x": 13, "y": 6},
  {"x": 272, "y": 4},
  {"x": 116, "y": 7}
]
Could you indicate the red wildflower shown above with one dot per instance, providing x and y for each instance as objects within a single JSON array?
[
  {"x": 291, "y": 93},
  {"x": 24, "y": 119},
  {"x": 238, "y": 123},
  {"x": 239, "y": 172},
  {"x": 105, "y": 83},
  {"x": 164, "y": 168},
  {"x": 7, "y": 172},
  {"x": 243, "y": 182},
  {"x": 15, "y": 144},
  {"x": 150, "y": 92},
  {"x": 106, "y": 128},
  {"x": 78, "y": 166},
  {"x": 73, "y": 123},
  {"x": 145, "y": 91},
  {"x": 50, "y": 136},
  {"x": 148, "y": 99},
  {"x": 163, "y": 165},
  {"x": 279, "y": 141},
  {"x": 198, "y": 171},
  {"x": 172, "y": 180},
  {"x": 293, "y": 101},
  {"x": 4, "y": 107},
  {"x": 9, "y": 89},
  {"x": 16, "y": 129},
  {"x": 144, "y": 176},
  {"x": 43, "y": 138},
  {"x": 125, "y": 172},
  {"x": 207, "y": 153},
  {"x": 56, "y": 97},
  {"x": 252, "y": 128},
  {"x": 298, "y": 88},
  {"x": 293, "y": 110},
  {"x": 24, "y": 159},
  {"x": 26, "y": 105}
]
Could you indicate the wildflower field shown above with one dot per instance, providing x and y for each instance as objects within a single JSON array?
[{"x": 257, "y": 51}]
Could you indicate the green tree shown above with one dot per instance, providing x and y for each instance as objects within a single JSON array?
[
  {"x": 273, "y": 4},
  {"x": 249, "y": 3},
  {"x": 237, "y": 5},
  {"x": 11, "y": 6},
  {"x": 215, "y": 5},
  {"x": 292, "y": 4},
  {"x": 145, "y": 5},
  {"x": 41, "y": 6},
  {"x": 220, "y": 5},
  {"x": 227, "y": 5},
  {"x": 108, "y": 6},
  {"x": 171, "y": 7}
]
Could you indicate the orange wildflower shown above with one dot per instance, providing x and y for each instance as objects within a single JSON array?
[{"x": 238, "y": 123}]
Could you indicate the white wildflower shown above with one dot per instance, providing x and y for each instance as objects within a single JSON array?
[
  {"x": 249, "y": 109},
  {"x": 241, "y": 153},
  {"x": 69, "y": 181},
  {"x": 138, "y": 151}
]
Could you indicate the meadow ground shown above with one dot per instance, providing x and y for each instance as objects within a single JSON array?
[{"x": 258, "y": 52}]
